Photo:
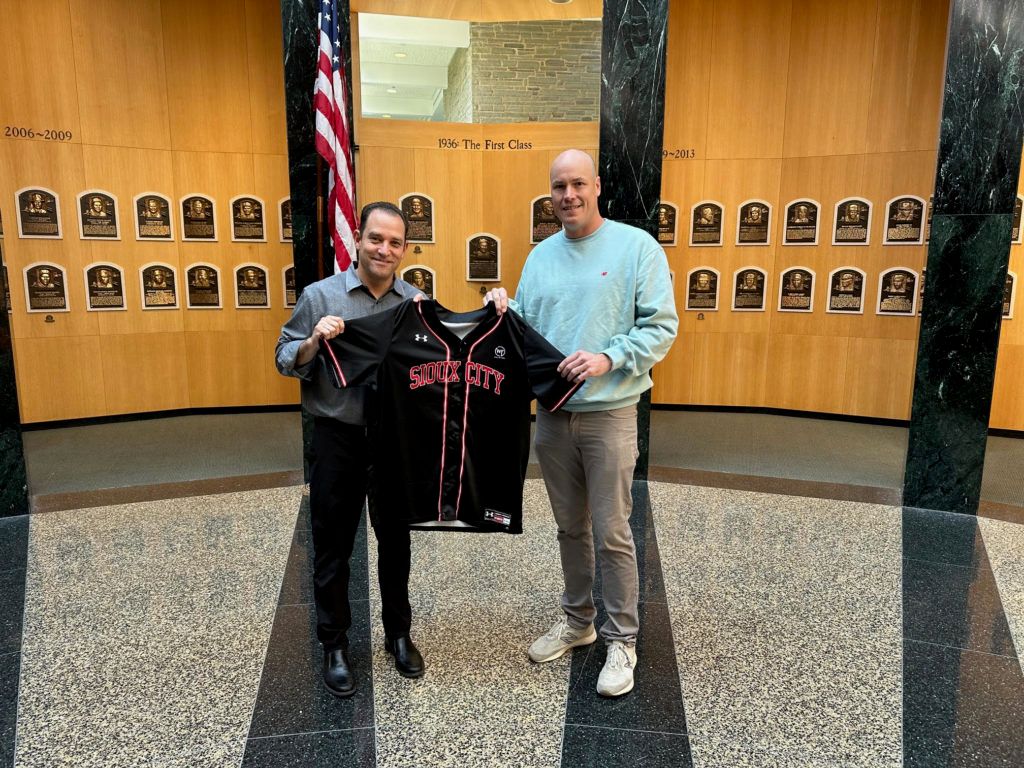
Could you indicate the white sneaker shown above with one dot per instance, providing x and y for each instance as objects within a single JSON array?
[
  {"x": 559, "y": 639},
  {"x": 616, "y": 677}
]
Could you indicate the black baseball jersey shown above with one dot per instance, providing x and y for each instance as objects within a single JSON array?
[{"x": 450, "y": 423}]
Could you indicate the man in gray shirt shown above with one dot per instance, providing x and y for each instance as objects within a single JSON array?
[{"x": 339, "y": 472}]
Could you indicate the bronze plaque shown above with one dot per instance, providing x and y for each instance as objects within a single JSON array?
[
  {"x": 290, "y": 294},
  {"x": 853, "y": 222},
  {"x": 1008, "y": 287},
  {"x": 1018, "y": 205},
  {"x": 158, "y": 289},
  {"x": 285, "y": 213},
  {"x": 846, "y": 291},
  {"x": 202, "y": 288},
  {"x": 7, "y": 291},
  {"x": 896, "y": 292},
  {"x": 796, "y": 290},
  {"x": 920, "y": 291},
  {"x": 247, "y": 220},
  {"x": 104, "y": 287},
  {"x": 904, "y": 221},
  {"x": 251, "y": 287},
  {"x": 706, "y": 224},
  {"x": 45, "y": 288},
  {"x": 753, "y": 225},
  {"x": 928, "y": 221},
  {"x": 748, "y": 295},
  {"x": 667, "y": 215},
  {"x": 152, "y": 217},
  {"x": 97, "y": 216},
  {"x": 419, "y": 210},
  {"x": 702, "y": 289},
  {"x": 543, "y": 222},
  {"x": 1, "y": 226},
  {"x": 801, "y": 223},
  {"x": 197, "y": 218},
  {"x": 483, "y": 258},
  {"x": 421, "y": 278},
  {"x": 38, "y": 213}
]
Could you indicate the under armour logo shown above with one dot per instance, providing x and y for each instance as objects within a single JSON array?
[
  {"x": 422, "y": 337},
  {"x": 499, "y": 352}
]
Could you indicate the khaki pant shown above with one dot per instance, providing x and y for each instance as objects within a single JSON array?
[{"x": 587, "y": 460}]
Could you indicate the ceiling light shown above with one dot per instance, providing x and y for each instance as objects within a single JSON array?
[
  {"x": 386, "y": 117},
  {"x": 392, "y": 89},
  {"x": 400, "y": 55},
  {"x": 560, "y": 2}
]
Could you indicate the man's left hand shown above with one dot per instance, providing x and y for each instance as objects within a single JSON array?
[{"x": 582, "y": 365}]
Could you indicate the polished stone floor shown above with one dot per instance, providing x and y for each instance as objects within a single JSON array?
[{"x": 777, "y": 630}]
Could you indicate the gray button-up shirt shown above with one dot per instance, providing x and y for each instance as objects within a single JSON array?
[{"x": 344, "y": 296}]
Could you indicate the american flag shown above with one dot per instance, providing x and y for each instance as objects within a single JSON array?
[{"x": 333, "y": 138}]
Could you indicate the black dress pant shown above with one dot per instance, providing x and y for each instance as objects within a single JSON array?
[{"x": 338, "y": 484}]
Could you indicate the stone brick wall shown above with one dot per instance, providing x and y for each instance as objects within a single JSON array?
[
  {"x": 458, "y": 96},
  {"x": 530, "y": 71}
]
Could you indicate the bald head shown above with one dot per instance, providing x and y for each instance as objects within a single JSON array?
[{"x": 575, "y": 187}]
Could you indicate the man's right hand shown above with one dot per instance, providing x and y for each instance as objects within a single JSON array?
[{"x": 328, "y": 327}]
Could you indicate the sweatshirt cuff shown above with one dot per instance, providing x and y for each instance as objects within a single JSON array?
[{"x": 617, "y": 356}]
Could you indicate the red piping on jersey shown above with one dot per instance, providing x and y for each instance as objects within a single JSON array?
[
  {"x": 337, "y": 365},
  {"x": 444, "y": 422},
  {"x": 568, "y": 394},
  {"x": 465, "y": 412}
]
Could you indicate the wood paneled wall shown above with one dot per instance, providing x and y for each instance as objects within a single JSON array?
[
  {"x": 780, "y": 100},
  {"x": 174, "y": 97},
  {"x": 1007, "y": 400}
]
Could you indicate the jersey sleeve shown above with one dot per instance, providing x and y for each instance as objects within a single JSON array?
[
  {"x": 542, "y": 358},
  {"x": 352, "y": 357}
]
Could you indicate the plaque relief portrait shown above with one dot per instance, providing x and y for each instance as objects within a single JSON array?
[
  {"x": 104, "y": 288},
  {"x": 1018, "y": 206},
  {"x": 159, "y": 290},
  {"x": 197, "y": 218},
  {"x": 7, "y": 291},
  {"x": 928, "y": 220},
  {"x": 247, "y": 220},
  {"x": 667, "y": 216},
  {"x": 543, "y": 222},
  {"x": 920, "y": 290},
  {"x": 153, "y": 217},
  {"x": 846, "y": 291},
  {"x": 702, "y": 289},
  {"x": 290, "y": 294},
  {"x": 97, "y": 216},
  {"x": 852, "y": 222},
  {"x": 38, "y": 213},
  {"x": 251, "y": 287},
  {"x": 749, "y": 286},
  {"x": 904, "y": 221},
  {"x": 897, "y": 292},
  {"x": 483, "y": 257},
  {"x": 284, "y": 210},
  {"x": 419, "y": 210},
  {"x": 801, "y": 225},
  {"x": 752, "y": 228},
  {"x": 796, "y": 290},
  {"x": 420, "y": 278},
  {"x": 45, "y": 288},
  {"x": 1009, "y": 295},
  {"x": 202, "y": 287},
  {"x": 706, "y": 223}
]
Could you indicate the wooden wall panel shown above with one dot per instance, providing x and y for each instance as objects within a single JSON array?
[
  {"x": 205, "y": 48},
  {"x": 687, "y": 78},
  {"x": 728, "y": 368},
  {"x": 880, "y": 378},
  {"x": 227, "y": 367},
  {"x": 59, "y": 378},
  {"x": 747, "y": 104},
  {"x": 1007, "y": 403},
  {"x": 119, "y": 58},
  {"x": 265, "y": 57},
  {"x": 144, "y": 371}
]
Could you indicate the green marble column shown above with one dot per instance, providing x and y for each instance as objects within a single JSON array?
[
  {"x": 13, "y": 483},
  {"x": 976, "y": 181},
  {"x": 632, "y": 123}
]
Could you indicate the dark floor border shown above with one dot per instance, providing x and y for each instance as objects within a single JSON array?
[
  {"x": 148, "y": 415},
  {"x": 103, "y": 497},
  {"x": 783, "y": 412},
  {"x": 781, "y": 486}
]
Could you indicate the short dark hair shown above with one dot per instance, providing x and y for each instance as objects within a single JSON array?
[{"x": 387, "y": 207}]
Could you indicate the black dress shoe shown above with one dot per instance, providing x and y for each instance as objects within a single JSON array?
[
  {"x": 408, "y": 660},
  {"x": 338, "y": 675}
]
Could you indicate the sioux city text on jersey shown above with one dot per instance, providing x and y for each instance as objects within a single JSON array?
[{"x": 450, "y": 423}]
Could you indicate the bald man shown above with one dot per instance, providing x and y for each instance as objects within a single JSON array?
[{"x": 620, "y": 318}]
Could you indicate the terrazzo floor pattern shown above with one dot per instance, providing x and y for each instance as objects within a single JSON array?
[{"x": 146, "y": 625}]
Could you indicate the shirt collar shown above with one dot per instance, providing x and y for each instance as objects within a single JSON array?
[{"x": 352, "y": 282}]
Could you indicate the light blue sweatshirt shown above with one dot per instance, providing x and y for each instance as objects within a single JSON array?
[{"x": 607, "y": 292}]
